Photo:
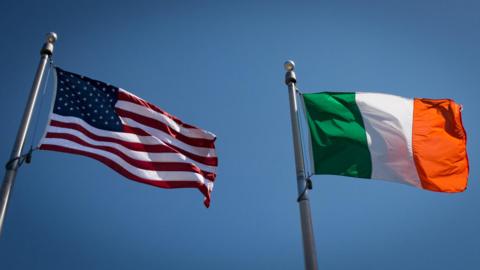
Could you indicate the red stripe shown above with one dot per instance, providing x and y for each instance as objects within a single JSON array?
[
  {"x": 153, "y": 123},
  {"x": 146, "y": 165},
  {"x": 152, "y": 148},
  {"x": 210, "y": 161},
  {"x": 124, "y": 95},
  {"x": 122, "y": 171},
  {"x": 134, "y": 130},
  {"x": 155, "y": 148}
]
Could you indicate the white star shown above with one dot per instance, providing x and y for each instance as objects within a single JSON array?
[
  {"x": 59, "y": 108},
  {"x": 93, "y": 120},
  {"x": 60, "y": 99},
  {"x": 100, "y": 117},
  {"x": 106, "y": 122}
]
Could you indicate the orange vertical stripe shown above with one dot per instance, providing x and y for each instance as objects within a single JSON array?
[{"x": 439, "y": 145}]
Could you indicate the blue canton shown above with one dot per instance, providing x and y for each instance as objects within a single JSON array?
[{"x": 91, "y": 100}]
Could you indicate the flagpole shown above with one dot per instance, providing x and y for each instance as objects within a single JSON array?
[
  {"x": 14, "y": 162},
  {"x": 309, "y": 251}
]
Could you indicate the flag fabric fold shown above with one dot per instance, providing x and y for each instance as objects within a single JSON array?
[
  {"x": 419, "y": 142},
  {"x": 132, "y": 136}
]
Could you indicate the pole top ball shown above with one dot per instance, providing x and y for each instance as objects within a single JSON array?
[
  {"x": 51, "y": 37},
  {"x": 289, "y": 65}
]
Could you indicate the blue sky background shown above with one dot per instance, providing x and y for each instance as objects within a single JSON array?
[{"x": 219, "y": 65}]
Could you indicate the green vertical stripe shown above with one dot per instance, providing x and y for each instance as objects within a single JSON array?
[{"x": 338, "y": 137}]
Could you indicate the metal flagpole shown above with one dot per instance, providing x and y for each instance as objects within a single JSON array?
[
  {"x": 14, "y": 162},
  {"x": 310, "y": 255}
]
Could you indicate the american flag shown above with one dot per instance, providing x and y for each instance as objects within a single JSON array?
[{"x": 132, "y": 136}]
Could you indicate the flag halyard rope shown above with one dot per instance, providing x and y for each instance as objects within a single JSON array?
[
  {"x": 306, "y": 165},
  {"x": 27, "y": 157}
]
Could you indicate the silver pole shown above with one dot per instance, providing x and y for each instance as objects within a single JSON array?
[
  {"x": 13, "y": 164},
  {"x": 309, "y": 251}
]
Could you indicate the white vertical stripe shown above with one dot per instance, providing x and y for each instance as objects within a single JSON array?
[{"x": 388, "y": 122}]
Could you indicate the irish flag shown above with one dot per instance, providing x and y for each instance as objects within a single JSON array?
[{"x": 419, "y": 142}]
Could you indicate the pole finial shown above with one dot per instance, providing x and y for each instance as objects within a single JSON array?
[
  {"x": 47, "y": 48},
  {"x": 51, "y": 37},
  {"x": 289, "y": 65},
  {"x": 290, "y": 76}
]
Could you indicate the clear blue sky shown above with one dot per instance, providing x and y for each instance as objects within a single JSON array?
[{"x": 218, "y": 65}]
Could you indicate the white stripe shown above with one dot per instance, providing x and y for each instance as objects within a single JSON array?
[
  {"x": 388, "y": 122},
  {"x": 208, "y": 133},
  {"x": 200, "y": 151},
  {"x": 137, "y": 155},
  {"x": 144, "y": 111},
  {"x": 129, "y": 137},
  {"x": 145, "y": 174}
]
